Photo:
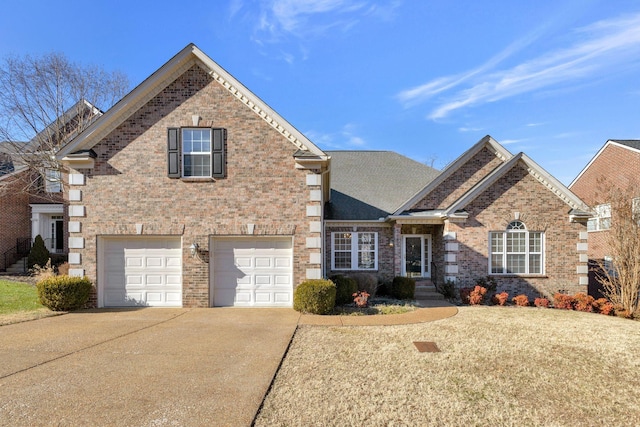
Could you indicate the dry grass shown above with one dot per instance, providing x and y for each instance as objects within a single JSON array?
[{"x": 497, "y": 366}]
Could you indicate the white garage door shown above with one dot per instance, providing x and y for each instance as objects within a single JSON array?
[
  {"x": 137, "y": 271},
  {"x": 252, "y": 272}
]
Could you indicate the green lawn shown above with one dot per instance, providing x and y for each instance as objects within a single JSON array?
[{"x": 18, "y": 297}]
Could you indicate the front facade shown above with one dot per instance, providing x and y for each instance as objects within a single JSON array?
[
  {"x": 488, "y": 214},
  {"x": 192, "y": 192}
]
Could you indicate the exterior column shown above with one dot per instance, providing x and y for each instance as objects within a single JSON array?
[{"x": 451, "y": 248}]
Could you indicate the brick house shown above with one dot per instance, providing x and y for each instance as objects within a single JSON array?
[
  {"x": 489, "y": 213},
  {"x": 192, "y": 192},
  {"x": 616, "y": 164},
  {"x": 26, "y": 214}
]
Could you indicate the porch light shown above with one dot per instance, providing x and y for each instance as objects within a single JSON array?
[{"x": 194, "y": 249}]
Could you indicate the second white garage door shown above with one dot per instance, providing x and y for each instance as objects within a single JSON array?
[{"x": 252, "y": 272}]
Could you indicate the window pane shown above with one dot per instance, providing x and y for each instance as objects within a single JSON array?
[
  {"x": 516, "y": 263},
  {"x": 516, "y": 242},
  {"x": 342, "y": 260},
  {"x": 342, "y": 250},
  {"x": 535, "y": 264},
  {"x": 497, "y": 242},
  {"x": 496, "y": 264},
  {"x": 366, "y": 250},
  {"x": 197, "y": 165},
  {"x": 366, "y": 260},
  {"x": 535, "y": 242}
]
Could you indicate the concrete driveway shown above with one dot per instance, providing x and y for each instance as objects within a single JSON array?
[{"x": 141, "y": 367}]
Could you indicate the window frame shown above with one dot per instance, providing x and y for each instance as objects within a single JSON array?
[
  {"x": 516, "y": 245},
  {"x": 216, "y": 155},
  {"x": 602, "y": 220},
  {"x": 357, "y": 248},
  {"x": 52, "y": 181},
  {"x": 193, "y": 154}
]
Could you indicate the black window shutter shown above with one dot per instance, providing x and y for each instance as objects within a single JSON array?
[
  {"x": 218, "y": 168},
  {"x": 173, "y": 153}
]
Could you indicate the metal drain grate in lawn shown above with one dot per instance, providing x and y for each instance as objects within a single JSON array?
[{"x": 426, "y": 347}]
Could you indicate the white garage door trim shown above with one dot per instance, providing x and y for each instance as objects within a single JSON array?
[
  {"x": 139, "y": 271},
  {"x": 251, "y": 271}
]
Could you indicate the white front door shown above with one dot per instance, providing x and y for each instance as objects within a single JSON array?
[{"x": 416, "y": 255}]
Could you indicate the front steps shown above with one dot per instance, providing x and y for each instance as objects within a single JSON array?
[
  {"x": 18, "y": 267},
  {"x": 425, "y": 290}
]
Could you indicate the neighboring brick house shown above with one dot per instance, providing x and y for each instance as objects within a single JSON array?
[
  {"x": 15, "y": 221},
  {"x": 192, "y": 192},
  {"x": 489, "y": 213},
  {"x": 25, "y": 214},
  {"x": 615, "y": 165}
]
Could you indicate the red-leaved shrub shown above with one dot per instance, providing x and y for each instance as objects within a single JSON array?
[
  {"x": 603, "y": 306},
  {"x": 464, "y": 295},
  {"x": 521, "y": 300},
  {"x": 563, "y": 301},
  {"x": 477, "y": 295},
  {"x": 541, "y": 302},
  {"x": 583, "y": 302},
  {"x": 500, "y": 299}
]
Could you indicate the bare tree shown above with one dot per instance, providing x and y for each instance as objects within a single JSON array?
[
  {"x": 620, "y": 275},
  {"x": 44, "y": 102}
]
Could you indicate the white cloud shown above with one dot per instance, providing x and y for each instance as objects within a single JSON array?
[
  {"x": 345, "y": 138},
  {"x": 604, "y": 44}
]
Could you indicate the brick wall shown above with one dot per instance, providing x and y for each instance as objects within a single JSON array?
[
  {"x": 129, "y": 185},
  {"x": 460, "y": 181},
  {"x": 540, "y": 210},
  {"x": 616, "y": 166},
  {"x": 15, "y": 214},
  {"x": 386, "y": 256}
]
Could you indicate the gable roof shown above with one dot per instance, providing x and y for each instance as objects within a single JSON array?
[
  {"x": 369, "y": 185},
  {"x": 487, "y": 142},
  {"x": 534, "y": 170},
  {"x": 509, "y": 161},
  {"x": 164, "y": 76},
  {"x": 628, "y": 144}
]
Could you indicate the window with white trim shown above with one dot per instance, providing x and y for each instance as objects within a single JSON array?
[
  {"x": 354, "y": 251},
  {"x": 602, "y": 220},
  {"x": 516, "y": 250},
  {"x": 196, "y": 152},
  {"x": 52, "y": 181}
]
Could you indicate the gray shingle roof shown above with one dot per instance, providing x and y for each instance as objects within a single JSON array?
[
  {"x": 368, "y": 185},
  {"x": 633, "y": 143}
]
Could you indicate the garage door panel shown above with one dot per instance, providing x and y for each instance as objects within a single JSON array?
[
  {"x": 262, "y": 280},
  {"x": 142, "y": 271},
  {"x": 251, "y": 272},
  {"x": 282, "y": 297},
  {"x": 262, "y": 262},
  {"x": 282, "y": 280},
  {"x": 283, "y": 262},
  {"x": 243, "y": 262},
  {"x": 154, "y": 262}
]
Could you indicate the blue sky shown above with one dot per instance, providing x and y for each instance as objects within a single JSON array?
[{"x": 427, "y": 79}]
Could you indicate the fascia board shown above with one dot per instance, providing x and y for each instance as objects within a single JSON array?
[{"x": 559, "y": 189}]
